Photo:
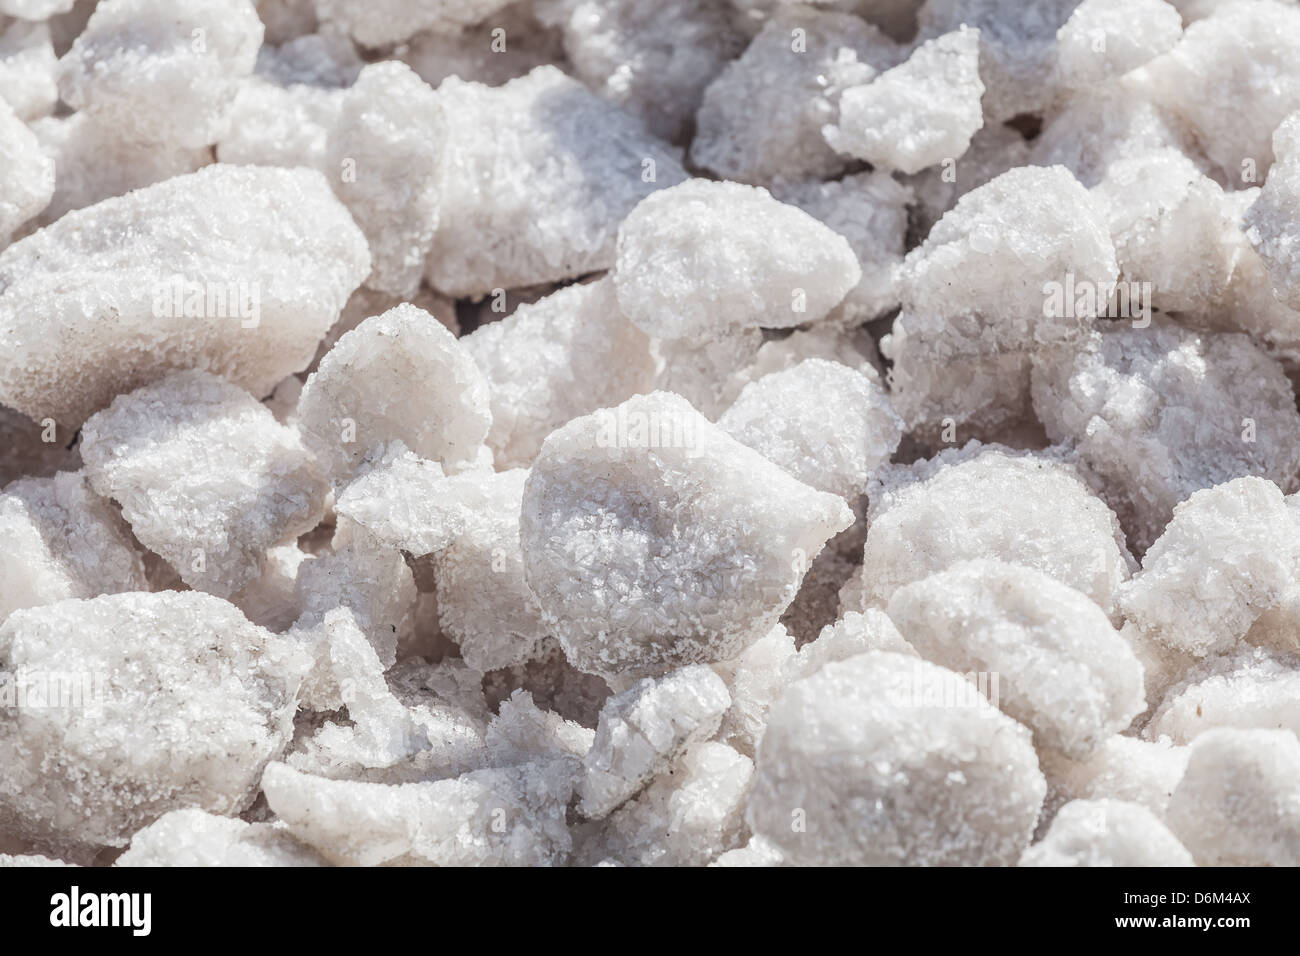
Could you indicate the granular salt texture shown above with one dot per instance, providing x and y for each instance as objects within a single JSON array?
[
  {"x": 1250, "y": 305},
  {"x": 687, "y": 817},
  {"x": 1242, "y": 52},
  {"x": 274, "y": 125},
  {"x": 407, "y": 502},
  {"x": 27, "y": 452},
  {"x": 824, "y": 423},
  {"x": 1104, "y": 39},
  {"x": 522, "y": 732},
  {"x": 1247, "y": 689},
  {"x": 28, "y": 860},
  {"x": 1159, "y": 413},
  {"x": 205, "y": 475},
  {"x": 652, "y": 539},
  {"x": 27, "y": 67},
  {"x": 1122, "y": 768},
  {"x": 869, "y": 762},
  {"x": 1018, "y": 48},
  {"x": 857, "y": 632},
  {"x": 643, "y": 730},
  {"x": 919, "y": 113},
  {"x": 366, "y": 303},
  {"x": 195, "y": 838},
  {"x": 238, "y": 270},
  {"x": 761, "y": 119},
  {"x": 183, "y": 702},
  {"x": 870, "y": 211},
  {"x": 1063, "y": 670},
  {"x": 385, "y": 151},
  {"x": 1272, "y": 230},
  {"x": 700, "y": 257},
  {"x": 492, "y": 817},
  {"x": 1107, "y": 833},
  {"x": 62, "y": 541},
  {"x": 990, "y": 502},
  {"x": 853, "y": 347},
  {"x": 1239, "y": 802},
  {"x": 652, "y": 60},
  {"x": 536, "y": 178},
  {"x": 379, "y": 23},
  {"x": 754, "y": 680},
  {"x": 1171, "y": 229},
  {"x": 397, "y": 376},
  {"x": 26, "y": 174},
  {"x": 162, "y": 71},
  {"x": 993, "y": 150},
  {"x": 94, "y": 162},
  {"x": 484, "y": 602},
  {"x": 566, "y": 355}
]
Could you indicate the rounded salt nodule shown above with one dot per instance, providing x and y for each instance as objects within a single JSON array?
[
  {"x": 1104, "y": 39},
  {"x": 397, "y": 376},
  {"x": 886, "y": 760},
  {"x": 1248, "y": 689},
  {"x": 1107, "y": 833},
  {"x": 652, "y": 539}
]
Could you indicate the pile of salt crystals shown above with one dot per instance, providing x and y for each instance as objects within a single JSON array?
[{"x": 405, "y": 460}]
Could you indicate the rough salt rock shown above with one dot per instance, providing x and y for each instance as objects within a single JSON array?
[
  {"x": 1239, "y": 802},
  {"x": 397, "y": 376},
  {"x": 1163, "y": 412},
  {"x": 35, "y": 9},
  {"x": 857, "y": 632},
  {"x": 26, "y": 174},
  {"x": 275, "y": 125},
  {"x": 1122, "y": 768},
  {"x": 1241, "y": 49},
  {"x": 643, "y": 730},
  {"x": 754, "y": 681},
  {"x": 875, "y": 764},
  {"x": 1063, "y": 670},
  {"x": 367, "y": 303},
  {"x": 385, "y": 22},
  {"x": 1018, "y": 48},
  {"x": 652, "y": 539},
  {"x": 796, "y": 69},
  {"x": 408, "y": 503},
  {"x": 653, "y": 61},
  {"x": 29, "y": 860},
  {"x": 537, "y": 176},
  {"x": 853, "y": 347},
  {"x": 183, "y": 703},
  {"x": 154, "y": 281},
  {"x": 62, "y": 541},
  {"x": 919, "y": 113},
  {"x": 1107, "y": 833},
  {"x": 385, "y": 150},
  {"x": 195, "y": 838},
  {"x": 824, "y": 423},
  {"x": 492, "y": 817},
  {"x": 1104, "y": 39},
  {"x": 162, "y": 71},
  {"x": 688, "y": 817},
  {"x": 1271, "y": 228},
  {"x": 566, "y": 355},
  {"x": 1246, "y": 690},
  {"x": 870, "y": 211},
  {"x": 989, "y": 502},
  {"x": 703, "y": 256},
  {"x": 205, "y": 475},
  {"x": 27, "y": 67}
]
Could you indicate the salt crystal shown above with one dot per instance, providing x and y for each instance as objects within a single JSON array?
[
  {"x": 1107, "y": 833},
  {"x": 193, "y": 837}
]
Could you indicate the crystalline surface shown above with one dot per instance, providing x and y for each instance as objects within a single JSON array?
[
  {"x": 165, "y": 278},
  {"x": 754, "y": 680},
  {"x": 877, "y": 769},
  {"x": 1271, "y": 227},
  {"x": 27, "y": 67},
  {"x": 1107, "y": 833},
  {"x": 206, "y": 476},
  {"x": 378, "y": 23},
  {"x": 1107, "y": 38},
  {"x": 1122, "y": 768},
  {"x": 26, "y": 173},
  {"x": 195, "y": 838},
  {"x": 652, "y": 539},
  {"x": 274, "y": 125},
  {"x": 1245, "y": 690}
]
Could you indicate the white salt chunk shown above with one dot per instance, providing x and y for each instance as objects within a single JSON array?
[{"x": 1107, "y": 833}]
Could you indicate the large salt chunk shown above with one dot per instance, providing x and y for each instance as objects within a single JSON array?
[
  {"x": 919, "y": 113},
  {"x": 61, "y": 541},
  {"x": 385, "y": 150},
  {"x": 26, "y": 174},
  {"x": 644, "y": 730},
  {"x": 131, "y": 705},
  {"x": 988, "y": 502},
  {"x": 1271, "y": 226},
  {"x": 1242, "y": 50},
  {"x": 397, "y": 376},
  {"x": 1063, "y": 670},
  {"x": 1248, "y": 689},
  {"x": 761, "y": 119},
  {"x": 826, "y": 424},
  {"x": 537, "y": 176},
  {"x": 1160, "y": 413},
  {"x": 206, "y": 476},
  {"x": 1239, "y": 802},
  {"x": 885, "y": 760},
  {"x": 162, "y": 71},
  {"x": 237, "y": 270},
  {"x": 703, "y": 256},
  {"x": 566, "y": 355},
  {"x": 193, "y": 837},
  {"x": 1107, "y": 38},
  {"x": 652, "y": 539},
  {"x": 407, "y": 502},
  {"x": 27, "y": 68},
  {"x": 378, "y": 23},
  {"x": 1107, "y": 833}
]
